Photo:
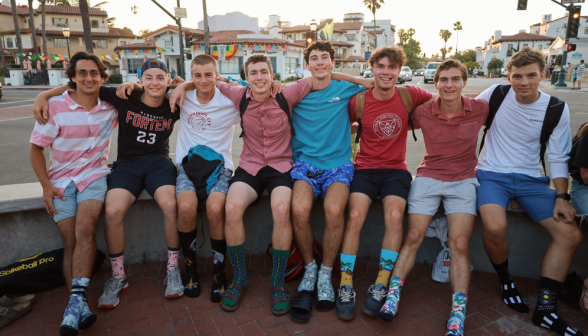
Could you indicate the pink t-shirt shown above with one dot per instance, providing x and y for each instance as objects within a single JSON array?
[
  {"x": 79, "y": 141},
  {"x": 267, "y": 137},
  {"x": 450, "y": 144}
]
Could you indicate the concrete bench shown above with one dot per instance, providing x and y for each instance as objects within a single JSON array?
[{"x": 26, "y": 229}]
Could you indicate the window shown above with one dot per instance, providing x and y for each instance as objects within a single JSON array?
[
  {"x": 290, "y": 64},
  {"x": 350, "y": 37},
  {"x": 290, "y": 36},
  {"x": 59, "y": 22},
  {"x": 557, "y": 30},
  {"x": 9, "y": 42},
  {"x": 509, "y": 50},
  {"x": 95, "y": 23},
  {"x": 59, "y": 43},
  {"x": 232, "y": 66},
  {"x": 100, "y": 44},
  {"x": 169, "y": 44},
  {"x": 585, "y": 30},
  {"x": 274, "y": 61},
  {"x": 123, "y": 42},
  {"x": 525, "y": 45},
  {"x": 344, "y": 51},
  {"x": 135, "y": 63}
]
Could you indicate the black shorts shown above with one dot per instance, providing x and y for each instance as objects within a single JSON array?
[
  {"x": 144, "y": 172},
  {"x": 384, "y": 182},
  {"x": 266, "y": 178}
]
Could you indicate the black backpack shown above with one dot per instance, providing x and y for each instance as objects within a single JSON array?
[
  {"x": 553, "y": 113},
  {"x": 573, "y": 170},
  {"x": 281, "y": 101}
]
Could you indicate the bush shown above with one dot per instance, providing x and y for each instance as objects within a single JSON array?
[
  {"x": 115, "y": 79},
  {"x": 290, "y": 79},
  {"x": 277, "y": 76}
]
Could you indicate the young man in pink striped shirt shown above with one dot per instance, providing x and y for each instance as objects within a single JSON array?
[{"x": 78, "y": 132}]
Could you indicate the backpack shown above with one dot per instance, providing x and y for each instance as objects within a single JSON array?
[
  {"x": 360, "y": 106},
  {"x": 281, "y": 101},
  {"x": 203, "y": 166},
  {"x": 553, "y": 113},
  {"x": 573, "y": 170}
]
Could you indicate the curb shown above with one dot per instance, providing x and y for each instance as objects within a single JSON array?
[{"x": 25, "y": 88}]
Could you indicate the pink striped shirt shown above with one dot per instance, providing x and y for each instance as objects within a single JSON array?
[{"x": 79, "y": 141}]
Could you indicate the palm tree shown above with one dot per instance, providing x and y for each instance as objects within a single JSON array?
[
  {"x": 43, "y": 34},
  {"x": 410, "y": 33},
  {"x": 445, "y": 51},
  {"x": 100, "y": 4},
  {"x": 373, "y": 6},
  {"x": 17, "y": 30},
  {"x": 457, "y": 27},
  {"x": 401, "y": 34},
  {"x": 445, "y": 35},
  {"x": 85, "y": 11},
  {"x": 2, "y": 48},
  {"x": 33, "y": 28},
  {"x": 63, "y": 3}
]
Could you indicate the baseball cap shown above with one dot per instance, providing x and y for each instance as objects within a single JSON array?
[{"x": 159, "y": 65}]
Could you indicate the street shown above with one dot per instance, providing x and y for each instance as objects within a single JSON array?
[{"x": 16, "y": 125}]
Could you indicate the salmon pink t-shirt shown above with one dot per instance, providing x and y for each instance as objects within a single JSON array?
[{"x": 384, "y": 125}]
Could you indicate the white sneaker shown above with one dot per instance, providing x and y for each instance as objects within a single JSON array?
[
  {"x": 174, "y": 288},
  {"x": 112, "y": 292}
]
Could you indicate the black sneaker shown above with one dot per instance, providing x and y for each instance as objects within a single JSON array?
[
  {"x": 192, "y": 282},
  {"x": 346, "y": 303},
  {"x": 376, "y": 298}
]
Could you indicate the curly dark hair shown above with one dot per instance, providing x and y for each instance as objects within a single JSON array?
[
  {"x": 82, "y": 55},
  {"x": 320, "y": 46},
  {"x": 395, "y": 54}
]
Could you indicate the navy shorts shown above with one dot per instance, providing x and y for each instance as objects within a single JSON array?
[
  {"x": 144, "y": 172},
  {"x": 383, "y": 182},
  {"x": 532, "y": 193},
  {"x": 266, "y": 178}
]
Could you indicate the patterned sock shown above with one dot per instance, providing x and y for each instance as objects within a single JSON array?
[
  {"x": 172, "y": 257},
  {"x": 71, "y": 316},
  {"x": 191, "y": 282},
  {"x": 387, "y": 261},
  {"x": 219, "y": 278},
  {"x": 457, "y": 317},
  {"x": 347, "y": 265},
  {"x": 545, "y": 314},
  {"x": 309, "y": 279},
  {"x": 280, "y": 259},
  {"x": 390, "y": 307},
  {"x": 326, "y": 292},
  {"x": 117, "y": 262},
  {"x": 237, "y": 255},
  {"x": 510, "y": 294}
]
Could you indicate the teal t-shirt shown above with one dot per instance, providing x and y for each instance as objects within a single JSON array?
[{"x": 321, "y": 122}]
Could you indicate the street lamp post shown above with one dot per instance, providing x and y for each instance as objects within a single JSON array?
[
  {"x": 66, "y": 33},
  {"x": 313, "y": 29}
]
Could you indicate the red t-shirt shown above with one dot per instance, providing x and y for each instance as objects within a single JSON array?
[{"x": 384, "y": 126}]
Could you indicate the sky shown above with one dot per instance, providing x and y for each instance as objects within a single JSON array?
[{"x": 479, "y": 18}]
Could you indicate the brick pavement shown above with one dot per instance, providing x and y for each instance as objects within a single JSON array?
[{"x": 424, "y": 308}]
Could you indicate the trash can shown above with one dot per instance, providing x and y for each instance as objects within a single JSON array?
[{"x": 554, "y": 77}]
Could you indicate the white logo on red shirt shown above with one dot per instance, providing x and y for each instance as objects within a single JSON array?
[
  {"x": 387, "y": 126},
  {"x": 199, "y": 121}
]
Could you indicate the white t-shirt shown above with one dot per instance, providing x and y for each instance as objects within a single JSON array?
[
  {"x": 512, "y": 143},
  {"x": 299, "y": 72},
  {"x": 211, "y": 124}
]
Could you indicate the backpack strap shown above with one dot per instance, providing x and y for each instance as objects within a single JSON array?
[
  {"x": 242, "y": 107},
  {"x": 553, "y": 114},
  {"x": 496, "y": 100},
  {"x": 286, "y": 108},
  {"x": 407, "y": 101},
  {"x": 359, "y": 107}
]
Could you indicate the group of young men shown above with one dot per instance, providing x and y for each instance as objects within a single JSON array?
[{"x": 297, "y": 146}]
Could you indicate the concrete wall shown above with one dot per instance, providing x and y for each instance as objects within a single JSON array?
[{"x": 26, "y": 229}]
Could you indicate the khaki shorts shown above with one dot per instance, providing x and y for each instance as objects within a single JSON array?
[{"x": 426, "y": 195}]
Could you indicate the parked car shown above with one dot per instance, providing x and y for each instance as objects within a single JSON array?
[
  {"x": 419, "y": 72},
  {"x": 430, "y": 71},
  {"x": 401, "y": 78},
  {"x": 503, "y": 72},
  {"x": 408, "y": 73},
  {"x": 367, "y": 74}
]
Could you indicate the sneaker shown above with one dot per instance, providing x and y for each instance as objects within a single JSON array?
[
  {"x": 346, "y": 303},
  {"x": 112, "y": 291},
  {"x": 174, "y": 288},
  {"x": 376, "y": 298}
]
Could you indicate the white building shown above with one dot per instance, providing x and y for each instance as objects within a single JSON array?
[
  {"x": 385, "y": 32},
  {"x": 230, "y": 21}
]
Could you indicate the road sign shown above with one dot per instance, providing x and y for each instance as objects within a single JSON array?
[
  {"x": 571, "y": 1},
  {"x": 180, "y": 13}
]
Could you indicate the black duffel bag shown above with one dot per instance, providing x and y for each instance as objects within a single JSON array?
[{"x": 38, "y": 272}]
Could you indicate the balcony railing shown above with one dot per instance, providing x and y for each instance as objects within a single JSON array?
[{"x": 341, "y": 56}]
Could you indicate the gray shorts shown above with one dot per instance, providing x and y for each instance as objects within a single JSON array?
[
  {"x": 183, "y": 182},
  {"x": 426, "y": 195}
]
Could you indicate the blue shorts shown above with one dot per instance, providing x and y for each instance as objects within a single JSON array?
[
  {"x": 319, "y": 179},
  {"x": 532, "y": 193},
  {"x": 579, "y": 194},
  {"x": 183, "y": 182},
  {"x": 69, "y": 208}
]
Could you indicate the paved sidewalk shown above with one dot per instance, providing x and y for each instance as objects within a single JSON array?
[
  {"x": 547, "y": 85},
  {"x": 423, "y": 310}
]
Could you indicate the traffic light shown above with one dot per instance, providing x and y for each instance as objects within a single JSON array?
[
  {"x": 570, "y": 47},
  {"x": 522, "y": 5},
  {"x": 309, "y": 39},
  {"x": 188, "y": 39},
  {"x": 575, "y": 22}
]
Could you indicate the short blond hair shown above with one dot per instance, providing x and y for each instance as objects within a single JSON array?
[
  {"x": 450, "y": 64},
  {"x": 203, "y": 59},
  {"x": 527, "y": 56}
]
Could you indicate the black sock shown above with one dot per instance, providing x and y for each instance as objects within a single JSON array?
[
  {"x": 191, "y": 283},
  {"x": 545, "y": 314},
  {"x": 510, "y": 295},
  {"x": 219, "y": 279}
]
